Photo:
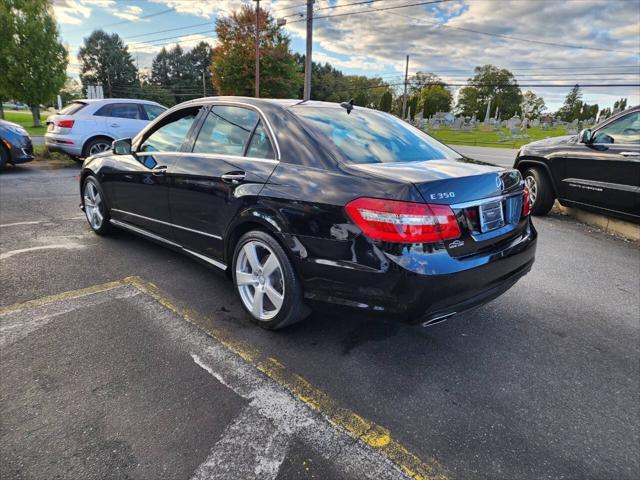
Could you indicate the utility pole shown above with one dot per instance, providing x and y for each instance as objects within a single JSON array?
[
  {"x": 404, "y": 96},
  {"x": 204, "y": 86},
  {"x": 257, "y": 82},
  {"x": 308, "y": 64}
]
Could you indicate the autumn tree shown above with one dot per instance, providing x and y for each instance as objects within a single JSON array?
[
  {"x": 33, "y": 61},
  {"x": 234, "y": 57}
]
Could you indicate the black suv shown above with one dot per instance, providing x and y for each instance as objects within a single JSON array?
[{"x": 597, "y": 170}]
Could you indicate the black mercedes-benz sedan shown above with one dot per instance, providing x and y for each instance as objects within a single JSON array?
[
  {"x": 597, "y": 170},
  {"x": 312, "y": 201}
]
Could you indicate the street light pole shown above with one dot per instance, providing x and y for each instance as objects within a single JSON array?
[
  {"x": 308, "y": 65},
  {"x": 257, "y": 81}
]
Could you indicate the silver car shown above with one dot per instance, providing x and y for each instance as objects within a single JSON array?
[{"x": 87, "y": 127}]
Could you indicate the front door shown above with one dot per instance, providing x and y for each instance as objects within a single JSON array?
[
  {"x": 231, "y": 159},
  {"x": 141, "y": 186},
  {"x": 605, "y": 173}
]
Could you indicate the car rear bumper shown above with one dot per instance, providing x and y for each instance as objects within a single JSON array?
[
  {"x": 421, "y": 284},
  {"x": 60, "y": 143}
]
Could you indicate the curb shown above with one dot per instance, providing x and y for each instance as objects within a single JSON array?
[{"x": 621, "y": 228}]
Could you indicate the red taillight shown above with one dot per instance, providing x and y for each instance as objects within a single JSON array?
[
  {"x": 405, "y": 222},
  {"x": 65, "y": 123},
  {"x": 526, "y": 203}
]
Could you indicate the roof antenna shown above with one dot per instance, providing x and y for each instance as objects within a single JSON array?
[{"x": 348, "y": 106}]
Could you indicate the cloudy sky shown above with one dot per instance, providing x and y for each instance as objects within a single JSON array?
[{"x": 543, "y": 42}]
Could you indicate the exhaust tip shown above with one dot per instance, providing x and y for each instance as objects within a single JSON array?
[{"x": 438, "y": 319}]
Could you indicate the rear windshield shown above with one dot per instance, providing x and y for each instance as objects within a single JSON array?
[
  {"x": 72, "y": 108},
  {"x": 368, "y": 136}
]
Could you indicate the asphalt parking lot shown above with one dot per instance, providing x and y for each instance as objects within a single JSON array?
[{"x": 122, "y": 359}]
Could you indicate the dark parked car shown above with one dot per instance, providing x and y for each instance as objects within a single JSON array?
[
  {"x": 597, "y": 170},
  {"x": 302, "y": 201},
  {"x": 15, "y": 144}
]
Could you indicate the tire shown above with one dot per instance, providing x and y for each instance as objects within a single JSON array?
[
  {"x": 95, "y": 207},
  {"x": 540, "y": 191},
  {"x": 4, "y": 158},
  {"x": 96, "y": 145},
  {"x": 279, "y": 292}
]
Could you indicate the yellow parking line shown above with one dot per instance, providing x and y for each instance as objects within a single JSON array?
[{"x": 373, "y": 435}]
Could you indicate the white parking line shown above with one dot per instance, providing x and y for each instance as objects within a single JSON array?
[
  {"x": 57, "y": 246},
  {"x": 256, "y": 443},
  {"x": 38, "y": 222}
]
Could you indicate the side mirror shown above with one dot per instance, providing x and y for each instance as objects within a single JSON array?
[
  {"x": 586, "y": 136},
  {"x": 121, "y": 146}
]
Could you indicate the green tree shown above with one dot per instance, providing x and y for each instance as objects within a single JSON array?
[
  {"x": 33, "y": 60},
  {"x": 572, "y": 105},
  {"x": 620, "y": 104},
  {"x": 234, "y": 56},
  {"x": 105, "y": 60},
  {"x": 155, "y": 93},
  {"x": 435, "y": 98},
  {"x": 385, "y": 101},
  {"x": 490, "y": 82},
  {"x": 532, "y": 105}
]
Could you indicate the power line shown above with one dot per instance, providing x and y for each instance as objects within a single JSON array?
[
  {"x": 168, "y": 30},
  {"x": 155, "y": 14},
  {"x": 137, "y": 45},
  {"x": 376, "y": 10}
]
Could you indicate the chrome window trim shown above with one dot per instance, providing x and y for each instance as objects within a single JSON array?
[
  {"x": 481, "y": 201},
  {"x": 171, "y": 154},
  {"x": 217, "y": 237},
  {"x": 231, "y": 157}
]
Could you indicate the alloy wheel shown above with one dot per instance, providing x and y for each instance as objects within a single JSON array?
[
  {"x": 98, "y": 148},
  {"x": 531, "y": 184},
  {"x": 92, "y": 205},
  {"x": 260, "y": 280}
]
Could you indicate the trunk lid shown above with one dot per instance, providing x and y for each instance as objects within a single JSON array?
[{"x": 486, "y": 199}]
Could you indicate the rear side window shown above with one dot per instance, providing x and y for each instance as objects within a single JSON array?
[
  {"x": 226, "y": 130},
  {"x": 260, "y": 145},
  {"x": 170, "y": 136},
  {"x": 125, "y": 110},
  {"x": 153, "y": 111},
  {"x": 368, "y": 136},
  {"x": 72, "y": 108}
]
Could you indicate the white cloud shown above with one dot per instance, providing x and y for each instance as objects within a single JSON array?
[
  {"x": 201, "y": 8},
  {"x": 71, "y": 12},
  {"x": 132, "y": 13}
]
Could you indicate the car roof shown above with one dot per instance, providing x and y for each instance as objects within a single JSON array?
[{"x": 113, "y": 100}]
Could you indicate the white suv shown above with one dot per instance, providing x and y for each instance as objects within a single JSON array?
[{"x": 87, "y": 127}]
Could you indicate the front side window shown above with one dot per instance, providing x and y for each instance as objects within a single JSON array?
[
  {"x": 153, "y": 111},
  {"x": 170, "y": 136},
  {"x": 368, "y": 136},
  {"x": 226, "y": 130},
  {"x": 260, "y": 145},
  {"x": 625, "y": 130},
  {"x": 125, "y": 110}
]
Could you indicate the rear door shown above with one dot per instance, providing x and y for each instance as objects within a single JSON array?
[
  {"x": 125, "y": 120},
  {"x": 232, "y": 157},
  {"x": 141, "y": 185},
  {"x": 606, "y": 172}
]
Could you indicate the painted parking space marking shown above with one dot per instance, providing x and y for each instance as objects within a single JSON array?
[
  {"x": 283, "y": 407},
  {"x": 39, "y": 222},
  {"x": 55, "y": 246}
]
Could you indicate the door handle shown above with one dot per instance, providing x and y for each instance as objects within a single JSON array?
[
  {"x": 630, "y": 154},
  {"x": 115, "y": 125},
  {"x": 160, "y": 170},
  {"x": 233, "y": 177}
]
